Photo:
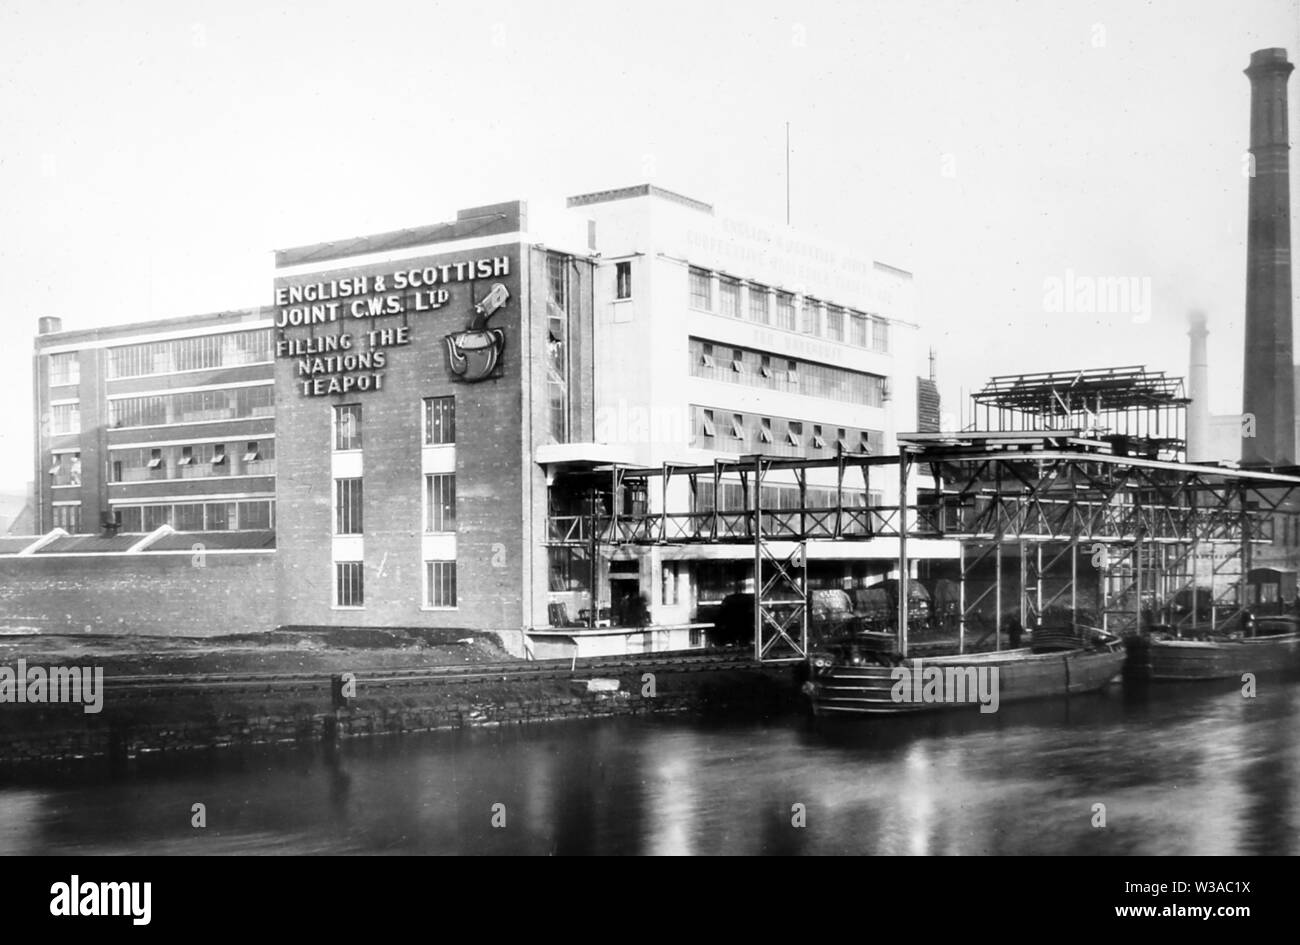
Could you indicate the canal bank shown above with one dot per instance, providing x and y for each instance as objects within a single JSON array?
[{"x": 314, "y": 686}]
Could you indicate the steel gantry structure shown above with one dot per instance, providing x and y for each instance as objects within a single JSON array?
[
  {"x": 1116, "y": 534},
  {"x": 1079, "y": 478}
]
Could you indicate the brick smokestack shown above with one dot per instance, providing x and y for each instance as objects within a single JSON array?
[
  {"x": 1269, "y": 379},
  {"x": 1198, "y": 390}
]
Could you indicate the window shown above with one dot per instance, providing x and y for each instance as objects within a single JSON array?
[
  {"x": 765, "y": 430},
  {"x": 737, "y": 426},
  {"x": 858, "y": 333},
  {"x": 439, "y": 421},
  {"x": 765, "y": 365},
  {"x": 219, "y": 516},
  {"x": 835, "y": 323},
  {"x": 440, "y": 581},
  {"x": 623, "y": 280},
  {"x": 557, "y": 348},
  {"x": 706, "y": 423},
  {"x": 701, "y": 289},
  {"x": 155, "y": 459},
  {"x": 230, "y": 349},
  {"x": 738, "y": 360},
  {"x": 187, "y": 456},
  {"x": 794, "y": 433},
  {"x": 817, "y": 441},
  {"x": 65, "y": 369},
  {"x": 129, "y": 518},
  {"x": 348, "y": 581},
  {"x": 440, "y": 502},
  {"x": 729, "y": 297},
  {"x": 758, "y": 295},
  {"x": 68, "y": 518},
  {"x": 347, "y": 427},
  {"x": 251, "y": 453},
  {"x": 156, "y": 516},
  {"x": 706, "y": 355},
  {"x": 188, "y": 518},
  {"x": 347, "y": 507},
  {"x": 256, "y": 515},
  {"x": 841, "y": 441},
  {"x": 65, "y": 418},
  {"x": 219, "y": 454},
  {"x": 865, "y": 445},
  {"x": 65, "y": 470},
  {"x": 809, "y": 313},
  {"x": 879, "y": 334},
  {"x": 785, "y": 311}
]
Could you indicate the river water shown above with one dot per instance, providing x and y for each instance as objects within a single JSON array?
[{"x": 1182, "y": 769}]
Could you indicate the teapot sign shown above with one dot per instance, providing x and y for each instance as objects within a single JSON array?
[{"x": 474, "y": 353}]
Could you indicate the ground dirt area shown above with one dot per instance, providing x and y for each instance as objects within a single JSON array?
[{"x": 277, "y": 651}]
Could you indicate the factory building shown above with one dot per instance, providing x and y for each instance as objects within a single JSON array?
[
  {"x": 446, "y": 396},
  {"x": 416, "y": 420},
  {"x": 167, "y": 422}
]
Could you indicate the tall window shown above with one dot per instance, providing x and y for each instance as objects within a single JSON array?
[
  {"x": 835, "y": 323},
  {"x": 439, "y": 421},
  {"x": 65, "y": 369},
  {"x": 701, "y": 289},
  {"x": 729, "y": 297},
  {"x": 879, "y": 334},
  {"x": 347, "y": 507},
  {"x": 440, "y": 581},
  {"x": 758, "y": 296},
  {"x": 440, "y": 502},
  {"x": 348, "y": 583},
  {"x": 557, "y": 346},
  {"x": 809, "y": 313},
  {"x": 785, "y": 311},
  {"x": 347, "y": 427},
  {"x": 858, "y": 333},
  {"x": 623, "y": 280},
  {"x": 68, "y": 518},
  {"x": 65, "y": 418}
]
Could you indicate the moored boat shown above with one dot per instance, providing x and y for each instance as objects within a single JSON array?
[
  {"x": 858, "y": 678},
  {"x": 1274, "y": 647}
]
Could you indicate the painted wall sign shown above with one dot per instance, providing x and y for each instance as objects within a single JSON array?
[
  {"x": 353, "y": 361},
  {"x": 473, "y": 353}
]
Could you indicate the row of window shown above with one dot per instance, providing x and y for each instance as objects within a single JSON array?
[
  {"x": 439, "y": 424},
  {"x": 776, "y": 372},
  {"x": 196, "y": 461},
  {"x": 439, "y": 584},
  {"x": 439, "y": 504},
  {"x": 255, "y": 514},
  {"x": 231, "y": 403},
  {"x": 766, "y": 306},
  {"x": 721, "y": 429},
  {"x": 190, "y": 354},
  {"x": 732, "y": 498}
]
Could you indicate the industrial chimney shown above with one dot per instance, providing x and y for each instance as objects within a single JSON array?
[
  {"x": 1198, "y": 391},
  {"x": 1269, "y": 378}
]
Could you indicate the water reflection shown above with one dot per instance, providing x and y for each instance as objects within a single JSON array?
[{"x": 1179, "y": 769}]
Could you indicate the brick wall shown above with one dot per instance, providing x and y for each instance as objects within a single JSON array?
[
  {"x": 162, "y": 595},
  {"x": 489, "y": 467}
]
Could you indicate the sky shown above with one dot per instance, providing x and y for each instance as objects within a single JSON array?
[{"x": 154, "y": 154}]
